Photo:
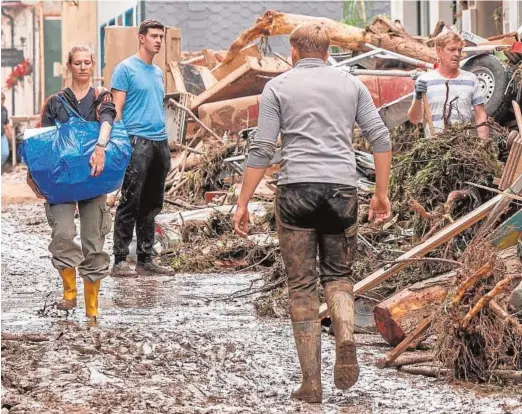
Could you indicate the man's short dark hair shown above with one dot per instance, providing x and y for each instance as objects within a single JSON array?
[{"x": 150, "y": 24}]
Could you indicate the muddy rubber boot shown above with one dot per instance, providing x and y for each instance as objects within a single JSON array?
[
  {"x": 69, "y": 289},
  {"x": 307, "y": 336},
  {"x": 91, "y": 291},
  {"x": 339, "y": 298}
]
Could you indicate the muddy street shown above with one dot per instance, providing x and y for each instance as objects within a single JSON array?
[{"x": 166, "y": 345}]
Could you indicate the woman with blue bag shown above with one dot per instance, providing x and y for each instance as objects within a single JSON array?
[{"x": 90, "y": 104}]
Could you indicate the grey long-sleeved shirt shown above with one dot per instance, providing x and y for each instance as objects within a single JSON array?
[{"x": 315, "y": 107}]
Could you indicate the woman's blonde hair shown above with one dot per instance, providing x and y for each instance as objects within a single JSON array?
[
  {"x": 310, "y": 38},
  {"x": 79, "y": 48}
]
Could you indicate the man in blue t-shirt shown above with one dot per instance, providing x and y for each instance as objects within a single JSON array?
[{"x": 138, "y": 91}]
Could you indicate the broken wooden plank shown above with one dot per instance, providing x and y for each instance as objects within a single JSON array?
[
  {"x": 249, "y": 79},
  {"x": 223, "y": 69},
  {"x": 191, "y": 79},
  {"x": 172, "y": 54},
  {"x": 405, "y": 344},
  {"x": 501, "y": 207},
  {"x": 513, "y": 167},
  {"x": 398, "y": 315},
  {"x": 382, "y": 33}
]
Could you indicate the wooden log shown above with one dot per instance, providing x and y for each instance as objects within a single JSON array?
[
  {"x": 506, "y": 374},
  {"x": 412, "y": 358},
  {"x": 400, "y": 314},
  {"x": 405, "y": 344},
  {"x": 426, "y": 370},
  {"x": 382, "y": 32}
]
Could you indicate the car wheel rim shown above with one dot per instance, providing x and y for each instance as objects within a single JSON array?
[{"x": 486, "y": 83}]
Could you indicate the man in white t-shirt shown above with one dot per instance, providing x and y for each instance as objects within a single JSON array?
[{"x": 454, "y": 95}]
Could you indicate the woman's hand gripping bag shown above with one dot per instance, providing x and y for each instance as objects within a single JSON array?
[{"x": 58, "y": 160}]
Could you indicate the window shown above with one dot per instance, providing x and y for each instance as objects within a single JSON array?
[{"x": 129, "y": 17}]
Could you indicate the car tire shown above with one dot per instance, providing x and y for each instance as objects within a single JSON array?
[{"x": 494, "y": 78}]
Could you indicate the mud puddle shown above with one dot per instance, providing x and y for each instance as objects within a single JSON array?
[{"x": 163, "y": 346}]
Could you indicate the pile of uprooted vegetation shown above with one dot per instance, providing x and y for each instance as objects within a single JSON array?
[
  {"x": 479, "y": 338},
  {"x": 429, "y": 182}
]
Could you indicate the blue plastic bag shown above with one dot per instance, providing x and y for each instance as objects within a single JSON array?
[{"x": 58, "y": 160}]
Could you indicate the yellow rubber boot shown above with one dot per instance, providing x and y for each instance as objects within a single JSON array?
[
  {"x": 69, "y": 289},
  {"x": 91, "y": 291}
]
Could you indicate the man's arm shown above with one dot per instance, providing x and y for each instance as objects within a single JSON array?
[
  {"x": 481, "y": 117},
  {"x": 415, "y": 111},
  {"x": 118, "y": 97},
  {"x": 261, "y": 151},
  {"x": 376, "y": 133}
]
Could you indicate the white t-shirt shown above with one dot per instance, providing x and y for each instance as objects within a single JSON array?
[{"x": 452, "y": 99}]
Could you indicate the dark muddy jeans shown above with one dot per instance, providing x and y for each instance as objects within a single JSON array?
[
  {"x": 141, "y": 198},
  {"x": 312, "y": 215}
]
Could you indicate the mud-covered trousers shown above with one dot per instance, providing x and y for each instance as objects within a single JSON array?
[
  {"x": 95, "y": 222},
  {"x": 141, "y": 198},
  {"x": 312, "y": 216}
]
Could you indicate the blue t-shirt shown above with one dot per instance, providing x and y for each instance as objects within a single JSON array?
[{"x": 143, "y": 113}]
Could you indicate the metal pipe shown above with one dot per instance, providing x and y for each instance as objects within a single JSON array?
[
  {"x": 357, "y": 59},
  {"x": 402, "y": 58},
  {"x": 11, "y": 19},
  {"x": 413, "y": 74}
]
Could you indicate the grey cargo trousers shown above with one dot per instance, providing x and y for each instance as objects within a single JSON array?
[{"x": 95, "y": 222}]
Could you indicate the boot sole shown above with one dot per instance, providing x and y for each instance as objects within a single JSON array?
[{"x": 346, "y": 370}]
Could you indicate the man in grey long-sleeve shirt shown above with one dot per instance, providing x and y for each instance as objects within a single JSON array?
[{"x": 315, "y": 107}]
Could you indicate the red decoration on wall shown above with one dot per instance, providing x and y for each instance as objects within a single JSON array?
[{"x": 20, "y": 71}]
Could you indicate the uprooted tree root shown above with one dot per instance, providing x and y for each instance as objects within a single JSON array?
[{"x": 477, "y": 336}]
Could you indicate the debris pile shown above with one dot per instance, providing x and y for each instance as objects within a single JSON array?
[
  {"x": 442, "y": 189},
  {"x": 479, "y": 336}
]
